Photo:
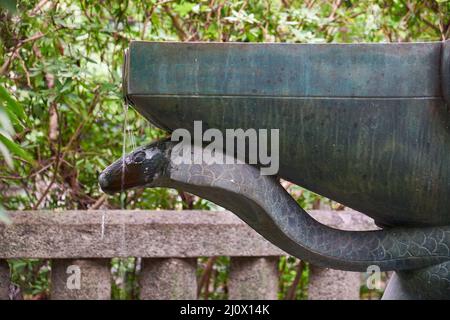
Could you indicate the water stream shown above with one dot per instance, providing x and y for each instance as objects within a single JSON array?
[
  {"x": 124, "y": 150},
  {"x": 127, "y": 135}
]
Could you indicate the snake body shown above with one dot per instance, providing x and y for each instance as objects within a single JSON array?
[
  {"x": 426, "y": 283},
  {"x": 264, "y": 204}
]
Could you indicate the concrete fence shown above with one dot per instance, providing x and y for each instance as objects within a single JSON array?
[{"x": 82, "y": 243}]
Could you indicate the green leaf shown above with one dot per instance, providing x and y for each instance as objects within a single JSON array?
[
  {"x": 5, "y": 152},
  {"x": 5, "y": 122},
  {"x": 12, "y": 117},
  {"x": 184, "y": 8},
  {"x": 13, "y": 105},
  {"x": 10, "y": 5},
  {"x": 15, "y": 148}
]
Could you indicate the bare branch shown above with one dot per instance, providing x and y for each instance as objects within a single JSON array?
[{"x": 177, "y": 24}]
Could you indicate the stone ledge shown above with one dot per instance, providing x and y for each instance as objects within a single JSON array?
[{"x": 147, "y": 234}]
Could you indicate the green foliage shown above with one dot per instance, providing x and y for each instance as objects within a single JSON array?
[
  {"x": 215, "y": 286},
  {"x": 124, "y": 276},
  {"x": 60, "y": 63},
  {"x": 373, "y": 294},
  {"x": 13, "y": 108},
  {"x": 11, "y": 111},
  {"x": 10, "y": 5},
  {"x": 32, "y": 276},
  {"x": 289, "y": 269}
]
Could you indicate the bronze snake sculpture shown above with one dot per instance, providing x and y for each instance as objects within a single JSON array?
[
  {"x": 263, "y": 204},
  {"x": 366, "y": 125}
]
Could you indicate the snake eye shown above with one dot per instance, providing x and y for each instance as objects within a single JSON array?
[{"x": 139, "y": 157}]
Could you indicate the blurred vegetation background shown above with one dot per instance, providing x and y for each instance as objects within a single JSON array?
[{"x": 62, "y": 117}]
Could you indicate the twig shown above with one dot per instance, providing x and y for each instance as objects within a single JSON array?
[
  {"x": 187, "y": 199},
  {"x": 336, "y": 6},
  {"x": 424, "y": 20},
  {"x": 149, "y": 15},
  {"x": 290, "y": 295},
  {"x": 310, "y": 4},
  {"x": 286, "y": 3},
  {"x": 82, "y": 124},
  {"x": 177, "y": 24},
  {"x": 27, "y": 74},
  {"x": 431, "y": 25},
  {"x": 37, "y": 8},
  {"x": 219, "y": 16},
  {"x": 206, "y": 276},
  {"x": 42, "y": 169},
  {"x": 4, "y": 68},
  {"x": 55, "y": 174},
  {"x": 11, "y": 177},
  {"x": 60, "y": 155},
  {"x": 208, "y": 15},
  {"x": 99, "y": 202}
]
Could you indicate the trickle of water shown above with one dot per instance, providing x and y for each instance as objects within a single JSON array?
[
  {"x": 124, "y": 150},
  {"x": 131, "y": 139},
  {"x": 103, "y": 225}
]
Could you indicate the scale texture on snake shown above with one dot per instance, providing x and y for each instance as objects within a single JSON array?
[{"x": 264, "y": 204}]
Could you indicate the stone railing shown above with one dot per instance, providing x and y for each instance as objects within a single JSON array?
[{"x": 169, "y": 243}]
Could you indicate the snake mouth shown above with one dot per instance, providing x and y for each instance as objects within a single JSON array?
[
  {"x": 121, "y": 176},
  {"x": 142, "y": 167},
  {"x": 105, "y": 183}
]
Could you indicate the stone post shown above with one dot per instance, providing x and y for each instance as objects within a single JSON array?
[
  {"x": 168, "y": 279},
  {"x": 330, "y": 284},
  {"x": 4, "y": 280},
  {"x": 253, "y": 278},
  {"x": 81, "y": 279}
]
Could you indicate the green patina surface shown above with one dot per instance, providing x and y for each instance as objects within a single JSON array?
[{"x": 364, "y": 124}]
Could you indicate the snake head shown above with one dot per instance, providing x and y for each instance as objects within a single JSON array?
[{"x": 142, "y": 167}]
